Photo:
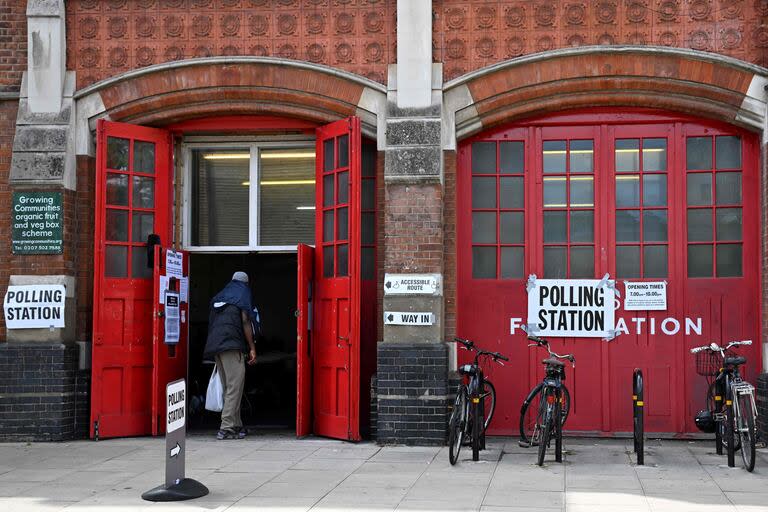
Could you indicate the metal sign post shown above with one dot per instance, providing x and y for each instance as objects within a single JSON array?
[{"x": 176, "y": 486}]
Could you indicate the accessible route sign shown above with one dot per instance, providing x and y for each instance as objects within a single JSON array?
[{"x": 36, "y": 220}]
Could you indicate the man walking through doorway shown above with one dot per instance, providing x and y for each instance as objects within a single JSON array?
[{"x": 230, "y": 338}]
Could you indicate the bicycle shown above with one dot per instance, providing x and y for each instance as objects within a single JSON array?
[
  {"x": 468, "y": 416},
  {"x": 737, "y": 414},
  {"x": 553, "y": 408}
]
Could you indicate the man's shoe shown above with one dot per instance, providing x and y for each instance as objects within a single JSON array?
[
  {"x": 226, "y": 433},
  {"x": 241, "y": 432}
]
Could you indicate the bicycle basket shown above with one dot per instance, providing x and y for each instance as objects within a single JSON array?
[{"x": 708, "y": 363}]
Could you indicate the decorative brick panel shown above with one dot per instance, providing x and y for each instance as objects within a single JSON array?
[{"x": 413, "y": 227}]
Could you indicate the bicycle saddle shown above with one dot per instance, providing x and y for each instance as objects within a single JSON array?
[
  {"x": 736, "y": 360},
  {"x": 552, "y": 362}
]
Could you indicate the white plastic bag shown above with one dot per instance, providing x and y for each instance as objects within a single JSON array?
[{"x": 214, "y": 398}]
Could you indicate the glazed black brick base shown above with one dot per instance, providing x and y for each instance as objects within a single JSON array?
[
  {"x": 762, "y": 407},
  {"x": 43, "y": 395},
  {"x": 411, "y": 394}
]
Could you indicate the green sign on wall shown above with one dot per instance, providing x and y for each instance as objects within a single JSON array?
[{"x": 37, "y": 223}]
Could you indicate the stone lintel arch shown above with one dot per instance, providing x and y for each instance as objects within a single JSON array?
[
  {"x": 685, "y": 81},
  {"x": 179, "y": 91}
]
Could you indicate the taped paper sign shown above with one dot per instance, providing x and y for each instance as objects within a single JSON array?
[
  {"x": 34, "y": 306},
  {"x": 581, "y": 308},
  {"x": 645, "y": 296}
]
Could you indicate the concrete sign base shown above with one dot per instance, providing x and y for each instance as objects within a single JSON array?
[{"x": 186, "y": 489}]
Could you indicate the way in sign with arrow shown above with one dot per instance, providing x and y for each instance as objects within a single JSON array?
[{"x": 176, "y": 450}]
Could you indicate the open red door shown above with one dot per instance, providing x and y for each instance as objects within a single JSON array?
[
  {"x": 306, "y": 255},
  {"x": 336, "y": 323},
  {"x": 169, "y": 360},
  {"x": 133, "y": 170}
]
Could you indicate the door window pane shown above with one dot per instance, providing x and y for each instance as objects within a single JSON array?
[
  {"x": 627, "y": 155},
  {"x": 582, "y": 226},
  {"x": 699, "y": 189},
  {"x": 512, "y": 194},
  {"x": 728, "y": 188},
  {"x": 344, "y": 151},
  {"x": 343, "y": 192},
  {"x": 328, "y": 155},
  {"x": 141, "y": 226},
  {"x": 555, "y": 262},
  {"x": 555, "y": 227},
  {"x": 582, "y": 262},
  {"x": 728, "y": 222},
  {"x": 483, "y": 228},
  {"x": 654, "y": 190},
  {"x": 700, "y": 225},
  {"x": 728, "y": 152},
  {"x": 117, "y": 153},
  {"x": 511, "y": 156},
  {"x": 342, "y": 260},
  {"x": 581, "y": 156},
  {"x": 512, "y": 262},
  {"x": 700, "y": 261},
  {"x": 484, "y": 158},
  {"x": 729, "y": 260},
  {"x": 342, "y": 224},
  {"x": 328, "y": 190},
  {"x": 367, "y": 232},
  {"x": 654, "y": 155},
  {"x": 582, "y": 192},
  {"x": 655, "y": 226},
  {"x": 554, "y": 156},
  {"x": 116, "y": 261},
  {"x": 368, "y": 263},
  {"x": 144, "y": 156},
  {"x": 484, "y": 262},
  {"x": 698, "y": 153},
  {"x": 328, "y": 257},
  {"x": 368, "y": 196},
  {"x": 139, "y": 268},
  {"x": 627, "y": 261},
  {"x": 628, "y": 225},
  {"x": 512, "y": 228},
  {"x": 117, "y": 189},
  {"x": 627, "y": 191},
  {"x": 483, "y": 192},
  {"x": 143, "y": 192},
  {"x": 368, "y": 161},
  {"x": 117, "y": 225},
  {"x": 554, "y": 193},
  {"x": 655, "y": 261},
  {"x": 328, "y": 232}
]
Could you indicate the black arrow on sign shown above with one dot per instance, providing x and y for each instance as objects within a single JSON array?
[
  {"x": 390, "y": 317},
  {"x": 388, "y": 284},
  {"x": 175, "y": 450}
]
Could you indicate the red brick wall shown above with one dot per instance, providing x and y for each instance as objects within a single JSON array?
[
  {"x": 449, "y": 257},
  {"x": 380, "y": 244},
  {"x": 13, "y": 43},
  {"x": 86, "y": 172},
  {"x": 8, "y": 111},
  {"x": 413, "y": 228}
]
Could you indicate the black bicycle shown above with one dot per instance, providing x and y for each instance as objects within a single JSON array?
[
  {"x": 731, "y": 412},
  {"x": 468, "y": 418},
  {"x": 541, "y": 422}
]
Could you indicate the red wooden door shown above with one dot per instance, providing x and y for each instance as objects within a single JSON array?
[
  {"x": 304, "y": 304},
  {"x": 169, "y": 362},
  {"x": 133, "y": 170},
  {"x": 336, "y": 324}
]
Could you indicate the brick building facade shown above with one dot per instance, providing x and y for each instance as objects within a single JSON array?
[{"x": 427, "y": 79}]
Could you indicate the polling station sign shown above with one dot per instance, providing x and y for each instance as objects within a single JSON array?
[
  {"x": 34, "y": 306},
  {"x": 582, "y": 308}
]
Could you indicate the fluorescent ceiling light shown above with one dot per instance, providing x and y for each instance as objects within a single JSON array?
[
  {"x": 287, "y": 182},
  {"x": 287, "y": 154},
  {"x": 305, "y": 207},
  {"x": 227, "y": 156}
]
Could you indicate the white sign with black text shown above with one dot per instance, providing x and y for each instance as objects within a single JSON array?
[
  {"x": 172, "y": 317},
  {"x": 412, "y": 284},
  {"x": 34, "y": 306},
  {"x": 645, "y": 296},
  {"x": 582, "y": 308},
  {"x": 174, "y": 264},
  {"x": 408, "y": 318}
]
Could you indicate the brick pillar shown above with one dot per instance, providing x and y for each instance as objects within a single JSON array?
[{"x": 762, "y": 407}]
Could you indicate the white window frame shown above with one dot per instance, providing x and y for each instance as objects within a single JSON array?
[{"x": 254, "y": 192}]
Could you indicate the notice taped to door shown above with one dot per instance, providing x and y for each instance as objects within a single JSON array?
[
  {"x": 34, "y": 306},
  {"x": 172, "y": 317},
  {"x": 645, "y": 296}
]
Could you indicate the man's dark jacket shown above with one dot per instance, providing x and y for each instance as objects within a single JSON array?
[{"x": 225, "y": 325}]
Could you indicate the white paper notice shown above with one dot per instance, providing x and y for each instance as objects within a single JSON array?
[
  {"x": 162, "y": 288},
  {"x": 645, "y": 296},
  {"x": 184, "y": 289},
  {"x": 173, "y": 264}
]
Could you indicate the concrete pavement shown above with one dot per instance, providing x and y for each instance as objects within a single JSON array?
[{"x": 280, "y": 474}]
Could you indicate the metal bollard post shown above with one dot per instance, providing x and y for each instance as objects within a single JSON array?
[{"x": 638, "y": 416}]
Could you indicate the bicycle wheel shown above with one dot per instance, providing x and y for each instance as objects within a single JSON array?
[
  {"x": 489, "y": 400},
  {"x": 566, "y": 397},
  {"x": 745, "y": 423},
  {"x": 716, "y": 407},
  {"x": 546, "y": 430},
  {"x": 456, "y": 425},
  {"x": 529, "y": 424},
  {"x": 558, "y": 423}
]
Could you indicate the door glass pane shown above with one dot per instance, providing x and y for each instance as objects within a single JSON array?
[
  {"x": 511, "y": 155},
  {"x": 143, "y": 192},
  {"x": 581, "y": 156},
  {"x": 367, "y": 235},
  {"x": 116, "y": 261},
  {"x": 117, "y": 225},
  {"x": 484, "y": 262},
  {"x": 654, "y": 190},
  {"x": 655, "y": 261},
  {"x": 117, "y": 189},
  {"x": 655, "y": 226},
  {"x": 328, "y": 190},
  {"x": 555, "y": 227},
  {"x": 700, "y": 261},
  {"x": 343, "y": 193},
  {"x": 328, "y": 257},
  {"x": 368, "y": 197},
  {"x": 144, "y": 156},
  {"x": 554, "y": 193},
  {"x": 627, "y": 261},
  {"x": 698, "y": 153},
  {"x": 582, "y": 262},
  {"x": 342, "y": 260},
  {"x": 512, "y": 266},
  {"x": 654, "y": 155},
  {"x": 628, "y": 225},
  {"x": 368, "y": 263},
  {"x": 141, "y": 226},
  {"x": 139, "y": 268},
  {"x": 555, "y": 262},
  {"x": 484, "y": 158},
  {"x": 728, "y": 188},
  {"x": 582, "y": 226},
  {"x": 117, "y": 153},
  {"x": 729, "y": 260},
  {"x": 627, "y": 155},
  {"x": 728, "y": 221},
  {"x": 582, "y": 192},
  {"x": 728, "y": 152},
  {"x": 368, "y": 161},
  {"x": 483, "y": 192},
  {"x": 627, "y": 191},
  {"x": 328, "y": 156},
  {"x": 699, "y": 189},
  {"x": 700, "y": 225},
  {"x": 344, "y": 151},
  {"x": 554, "y": 156},
  {"x": 328, "y": 232},
  {"x": 484, "y": 227},
  {"x": 512, "y": 193},
  {"x": 512, "y": 228},
  {"x": 342, "y": 221}
]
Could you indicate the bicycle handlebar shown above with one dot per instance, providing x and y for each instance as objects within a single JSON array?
[
  {"x": 541, "y": 342},
  {"x": 714, "y": 347},
  {"x": 470, "y": 345}
]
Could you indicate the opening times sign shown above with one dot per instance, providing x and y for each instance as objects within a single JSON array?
[
  {"x": 583, "y": 308},
  {"x": 36, "y": 219}
]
